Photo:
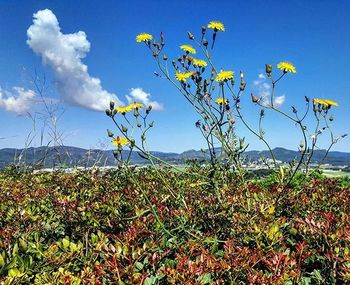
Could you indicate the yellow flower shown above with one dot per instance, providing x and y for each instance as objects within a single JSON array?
[
  {"x": 195, "y": 184},
  {"x": 180, "y": 76},
  {"x": 224, "y": 75},
  {"x": 143, "y": 37},
  {"x": 188, "y": 49},
  {"x": 135, "y": 105},
  {"x": 330, "y": 102},
  {"x": 119, "y": 141},
  {"x": 221, "y": 101},
  {"x": 325, "y": 102},
  {"x": 286, "y": 67},
  {"x": 124, "y": 109},
  {"x": 199, "y": 62},
  {"x": 216, "y": 26}
]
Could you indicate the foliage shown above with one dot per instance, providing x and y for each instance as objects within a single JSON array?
[{"x": 94, "y": 227}]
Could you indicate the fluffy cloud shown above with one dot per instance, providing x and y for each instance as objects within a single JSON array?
[
  {"x": 18, "y": 100},
  {"x": 138, "y": 95},
  {"x": 279, "y": 100},
  {"x": 64, "y": 54},
  {"x": 263, "y": 91}
]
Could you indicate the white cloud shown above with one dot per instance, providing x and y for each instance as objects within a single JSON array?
[
  {"x": 138, "y": 95},
  {"x": 63, "y": 53},
  {"x": 263, "y": 91},
  {"x": 19, "y": 100},
  {"x": 279, "y": 100}
]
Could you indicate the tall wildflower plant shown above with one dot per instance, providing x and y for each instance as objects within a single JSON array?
[{"x": 216, "y": 95}]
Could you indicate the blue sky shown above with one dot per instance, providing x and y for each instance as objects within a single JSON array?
[{"x": 313, "y": 35}]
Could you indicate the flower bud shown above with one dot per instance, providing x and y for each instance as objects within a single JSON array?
[
  {"x": 254, "y": 98},
  {"x": 110, "y": 134},
  {"x": 136, "y": 112},
  {"x": 241, "y": 74},
  {"x": 331, "y": 118},
  {"x": 115, "y": 154},
  {"x": 162, "y": 38},
  {"x": 204, "y": 29},
  {"x": 307, "y": 99},
  {"x": 165, "y": 57},
  {"x": 268, "y": 69},
  {"x": 151, "y": 124},
  {"x": 243, "y": 84},
  {"x": 111, "y": 105},
  {"x": 156, "y": 73},
  {"x": 262, "y": 113},
  {"x": 132, "y": 142},
  {"x": 108, "y": 113},
  {"x": 190, "y": 35},
  {"x": 294, "y": 110},
  {"x": 198, "y": 124},
  {"x": 138, "y": 125},
  {"x": 205, "y": 42},
  {"x": 124, "y": 129}
]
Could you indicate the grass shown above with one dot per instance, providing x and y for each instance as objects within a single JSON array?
[{"x": 117, "y": 227}]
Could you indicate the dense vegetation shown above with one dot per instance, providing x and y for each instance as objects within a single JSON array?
[{"x": 98, "y": 228}]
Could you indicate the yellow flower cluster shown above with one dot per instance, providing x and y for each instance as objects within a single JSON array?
[
  {"x": 325, "y": 102},
  {"x": 120, "y": 141},
  {"x": 286, "y": 67},
  {"x": 183, "y": 76},
  {"x": 224, "y": 75},
  {"x": 188, "y": 49},
  {"x": 129, "y": 108},
  {"x": 199, "y": 62},
  {"x": 221, "y": 101},
  {"x": 143, "y": 37},
  {"x": 216, "y": 26}
]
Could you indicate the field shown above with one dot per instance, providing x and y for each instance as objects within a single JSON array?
[{"x": 92, "y": 227}]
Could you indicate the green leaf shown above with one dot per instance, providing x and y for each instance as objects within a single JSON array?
[
  {"x": 151, "y": 280},
  {"x": 65, "y": 243},
  {"x": 2, "y": 261},
  {"x": 206, "y": 279},
  {"x": 139, "y": 265},
  {"x": 14, "y": 272}
]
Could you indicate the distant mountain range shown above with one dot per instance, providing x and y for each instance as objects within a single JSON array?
[{"x": 73, "y": 156}]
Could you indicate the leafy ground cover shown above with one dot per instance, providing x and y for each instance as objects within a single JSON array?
[{"x": 92, "y": 227}]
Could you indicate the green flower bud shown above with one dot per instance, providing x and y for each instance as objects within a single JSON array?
[
  {"x": 243, "y": 84},
  {"x": 190, "y": 35},
  {"x": 108, "y": 113},
  {"x": 268, "y": 69},
  {"x": 124, "y": 129},
  {"x": 111, "y": 105},
  {"x": 110, "y": 134}
]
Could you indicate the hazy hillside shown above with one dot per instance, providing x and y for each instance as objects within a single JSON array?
[{"x": 74, "y": 156}]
